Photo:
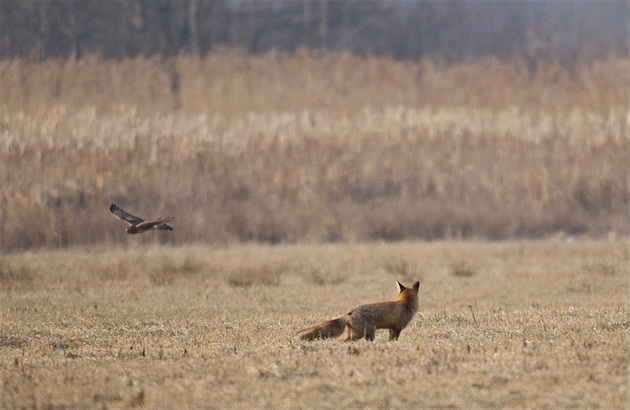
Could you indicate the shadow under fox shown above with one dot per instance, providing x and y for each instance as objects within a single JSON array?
[{"x": 362, "y": 321}]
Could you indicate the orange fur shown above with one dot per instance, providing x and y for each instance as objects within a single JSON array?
[
  {"x": 364, "y": 320},
  {"x": 330, "y": 328}
]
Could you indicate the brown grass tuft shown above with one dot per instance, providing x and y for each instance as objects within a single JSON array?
[
  {"x": 265, "y": 274},
  {"x": 464, "y": 267},
  {"x": 14, "y": 274},
  {"x": 403, "y": 268}
]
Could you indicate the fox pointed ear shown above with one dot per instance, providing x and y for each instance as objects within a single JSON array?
[
  {"x": 400, "y": 287},
  {"x": 416, "y": 285}
]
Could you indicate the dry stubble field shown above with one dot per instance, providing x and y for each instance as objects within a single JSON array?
[{"x": 512, "y": 325}]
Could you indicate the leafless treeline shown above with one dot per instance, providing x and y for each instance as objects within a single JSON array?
[{"x": 45, "y": 29}]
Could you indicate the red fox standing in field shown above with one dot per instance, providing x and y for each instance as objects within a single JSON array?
[{"x": 365, "y": 319}]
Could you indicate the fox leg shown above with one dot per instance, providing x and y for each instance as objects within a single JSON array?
[
  {"x": 349, "y": 333},
  {"x": 370, "y": 332},
  {"x": 355, "y": 330},
  {"x": 352, "y": 336},
  {"x": 394, "y": 333}
]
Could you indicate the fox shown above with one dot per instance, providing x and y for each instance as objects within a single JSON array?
[{"x": 362, "y": 321}]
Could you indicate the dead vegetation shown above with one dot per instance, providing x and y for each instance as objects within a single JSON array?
[
  {"x": 538, "y": 325},
  {"x": 311, "y": 148}
]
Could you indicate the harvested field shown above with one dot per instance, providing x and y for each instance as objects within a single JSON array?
[{"x": 521, "y": 324}]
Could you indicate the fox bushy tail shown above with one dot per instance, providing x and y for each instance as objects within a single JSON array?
[{"x": 328, "y": 329}]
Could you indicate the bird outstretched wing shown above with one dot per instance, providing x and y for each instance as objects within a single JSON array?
[
  {"x": 119, "y": 213},
  {"x": 159, "y": 223}
]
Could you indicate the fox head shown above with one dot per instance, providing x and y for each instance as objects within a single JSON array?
[
  {"x": 402, "y": 288},
  {"x": 409, "y": 296}
]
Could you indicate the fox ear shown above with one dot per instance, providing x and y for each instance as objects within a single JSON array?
[
  {"x": 416, "y": 285},
  {"x": 400, "y": 287}
]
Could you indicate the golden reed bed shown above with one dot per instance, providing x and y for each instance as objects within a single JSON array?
[{"x": 311, "y": 148}]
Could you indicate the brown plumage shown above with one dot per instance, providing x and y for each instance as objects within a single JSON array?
[{"x": 139, "y": 225}]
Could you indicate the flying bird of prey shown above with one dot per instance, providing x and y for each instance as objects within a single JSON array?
[{"x": 139, "y": 225}]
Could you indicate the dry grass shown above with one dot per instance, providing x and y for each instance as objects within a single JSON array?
[
  {"x": 311, "y": 148},
  {"x": 539, "y": 325}
]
